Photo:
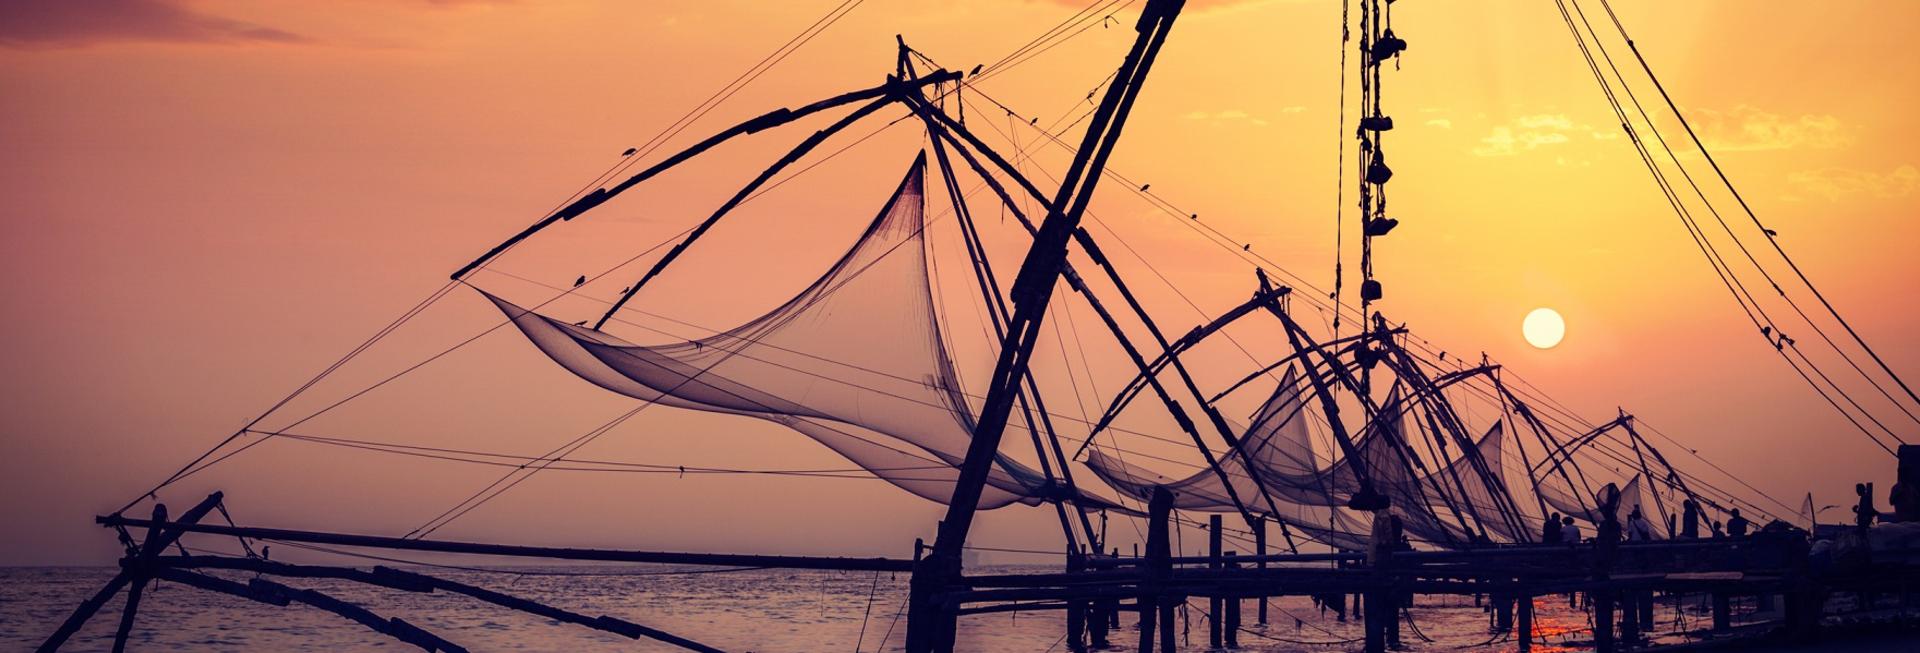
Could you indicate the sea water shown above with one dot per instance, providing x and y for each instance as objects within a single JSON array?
[{"x": 760, "y": 610}]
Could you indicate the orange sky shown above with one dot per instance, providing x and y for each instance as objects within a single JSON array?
[{"x": 208, "y": 201}]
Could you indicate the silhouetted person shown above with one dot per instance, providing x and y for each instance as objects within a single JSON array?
[
  {"x": 1736, "y": 524},
  {"x": 1638, "y": 528},
  {"x": 1550, "y": 534},
  {"x": 1864, "y": 512},
  {"x": 1569, "y": 531},
  {"x": 1717, "y": 533},
  {"x": 1690, "y": 519},
  {"x": 1608, "y": 531}
]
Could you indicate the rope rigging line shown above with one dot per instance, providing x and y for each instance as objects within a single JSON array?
[
  {"x": 626, "y": 161},
  {"x": 1260, "y": 261},
  {"x": 1340, "y": 169},
  {"x": 990, "y": 99},
  {"x": 1771, "y": 329},
  {"x": 1010, "y": 61},
  {"x": 740, "y": 82},
  {"x": 1772, "y": 239},
  {"x": 1755, "y": 313}
]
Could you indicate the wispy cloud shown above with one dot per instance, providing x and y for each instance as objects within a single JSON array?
[
  {"x": 76, "y": 23},
  {"x": 1228, "y": 116},
  {"x": 1746, "y": 128},
  {"x": 1838, "y": 183},
  {"x": 1529, "y": 132}
]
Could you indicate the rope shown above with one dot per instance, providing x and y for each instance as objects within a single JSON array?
[
  {"x": 1754, "y": 312},
  {"x": 1772, "y": 239},
  {"x": 869, "y": 612}
]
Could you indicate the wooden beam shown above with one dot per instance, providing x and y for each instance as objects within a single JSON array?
[
  {"x": 83, "y": 612},
  {"x": 557, "y": 553},
  {"x": 155, "y": 542},
  {"x": 765, "y": 121}
]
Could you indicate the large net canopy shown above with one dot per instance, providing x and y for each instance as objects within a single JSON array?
[
  {"x": 855, "y": 361},
  {"x": 1294, "y": 483},
  {"x": 858, "y": 361}
]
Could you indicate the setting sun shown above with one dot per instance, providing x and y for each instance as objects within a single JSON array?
[{"x": 1543, "y": 328}]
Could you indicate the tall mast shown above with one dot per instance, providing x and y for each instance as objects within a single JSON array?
[{"x": 930, "y": 628}]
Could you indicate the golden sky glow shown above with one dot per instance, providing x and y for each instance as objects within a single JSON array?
[{"x": 208, "y": 201}]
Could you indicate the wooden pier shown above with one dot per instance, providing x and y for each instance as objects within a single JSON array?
[{"x": 1618, "y": 579}]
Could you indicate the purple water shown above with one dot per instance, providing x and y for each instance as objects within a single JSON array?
[{"x": 757, "y": 610}]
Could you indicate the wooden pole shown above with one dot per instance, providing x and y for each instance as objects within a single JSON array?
[
  {"x": 84, "y": 612},
  {"x": 1031, "y": 292},
  {"x": 1602, "y": 620},
  {"x": 1260, "y": 546},
  {"x": 1076, "y": 610},
  {"x": 1104, "y": 619},
  {"x": 1525, "y": 632},
  {"x": 1233, "y": 609},
  {"x": 1630, "y": 617},
  {"x": 156, "y": 540},
  {"x": 557, "y": 553},
  {"x": 1722, "y": 612},
  {"x": 1503, "y": 608},
  {"x": 766, "y": 121},
  {"x": 1216, "y": 605},
  {"x": 1159, "y": 512}
]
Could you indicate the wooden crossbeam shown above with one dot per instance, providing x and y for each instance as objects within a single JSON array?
[{"x": 555, "y": 553}]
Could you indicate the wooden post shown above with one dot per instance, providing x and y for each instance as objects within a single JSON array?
[
  {"x": 1260, "y": 544},
  {"x": 1646, "y": 611},
  {"x": 1233, "y": 608},
  {"x": 1169, "y": 606},
  {"x": 1525, "y": 633},
  {"x": 1101, "y": 618},
  {"x": 1630, "y": 617},
  {"x": 155, "y": 543},
  {"x": 1076, "y": 610},
  {"x": 1502, "y": 610},
  {"x": 1031, "y": 291},
  {"x": 1157, "y": 567},
  {"x": 1377, "y": 610},
  {"x": 1602, "y": 620},
  {"x": 1216, "y": 605},
  {"x": 1722, "y": 612}
]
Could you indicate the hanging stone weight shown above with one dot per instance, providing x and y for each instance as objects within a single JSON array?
[
  {"x": 1378, "y": 172},
  {"x": 1370, "y": 290},
  {"x": 1388, "y": 46},
  {"x": 1380, "y": 226}
]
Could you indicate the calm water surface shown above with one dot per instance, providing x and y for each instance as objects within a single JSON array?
[{"x": 757, "y": 610}]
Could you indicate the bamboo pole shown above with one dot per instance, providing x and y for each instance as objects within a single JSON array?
[
  {"x": 1216, "y": 606},
  {"x": 556, "y": 553}
]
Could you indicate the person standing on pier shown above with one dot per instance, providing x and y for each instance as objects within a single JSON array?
[
  {"x": 1690, "y": 519},
  {"x": 1736, "y": 524},
  {"x": 1550, "y": 534},
  {"x": 1638, "y": 528},
  {"x": 1864, "y": 512},
  {"x": 1569, "y": 531}
]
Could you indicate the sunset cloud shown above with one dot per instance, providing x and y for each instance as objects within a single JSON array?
[
  {"x": 1529, "y": 132},
  {"x": 1226, "y": 116},
  {"x": 1746, "y": 128},
  {"x": 1838, "y": 183},
  {"x": 78, "y": 24}
]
